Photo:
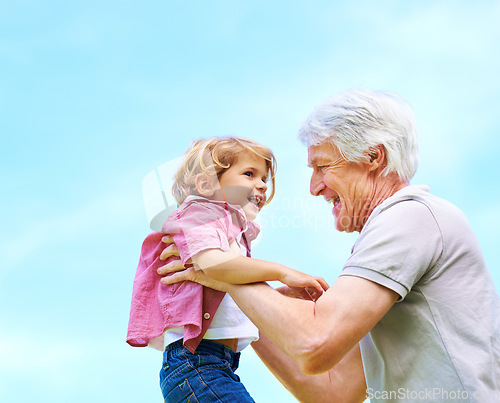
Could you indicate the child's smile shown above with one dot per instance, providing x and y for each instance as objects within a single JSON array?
[{"x": 244, "y": 184}]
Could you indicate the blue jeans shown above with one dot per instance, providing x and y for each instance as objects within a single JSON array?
[{"x": 205, "y": 376}]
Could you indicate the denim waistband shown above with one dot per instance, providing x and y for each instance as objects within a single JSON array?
[{"x": 206, "y": 347}]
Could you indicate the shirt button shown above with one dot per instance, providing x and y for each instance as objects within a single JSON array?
[{"x": 206, "y": 315}]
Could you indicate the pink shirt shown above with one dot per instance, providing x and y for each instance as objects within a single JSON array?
[{"x": 198, "y": 224}]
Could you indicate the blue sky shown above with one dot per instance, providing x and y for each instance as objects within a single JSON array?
[{"x": 94, "y": 95}]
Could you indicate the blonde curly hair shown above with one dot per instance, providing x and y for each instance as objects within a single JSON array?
[{"x": 214, "y": 156}]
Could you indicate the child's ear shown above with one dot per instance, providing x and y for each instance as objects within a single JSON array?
[{"x": 205, "y": 184}]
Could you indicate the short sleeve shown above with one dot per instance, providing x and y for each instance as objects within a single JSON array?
[
  {"x": 397, "y": 247},
  {"x": 198, "y": 227}
]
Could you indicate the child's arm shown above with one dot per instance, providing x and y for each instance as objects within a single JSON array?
[{"x": 231, "y": 267}]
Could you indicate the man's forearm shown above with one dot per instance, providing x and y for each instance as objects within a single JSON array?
[
  {"x": 287, "y": 322},
  {"x": 316, "y": 335},
  {"x": 343, "y": 383},
  {"x": 306, "y": 388}
]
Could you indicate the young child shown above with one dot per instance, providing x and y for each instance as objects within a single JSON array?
[{"x": 220, "y": 186}]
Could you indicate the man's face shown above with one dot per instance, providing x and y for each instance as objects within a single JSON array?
[{"x": 347, "y": 185}]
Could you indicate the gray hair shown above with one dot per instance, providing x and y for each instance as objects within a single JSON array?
[{"x": 357, "y": 121}]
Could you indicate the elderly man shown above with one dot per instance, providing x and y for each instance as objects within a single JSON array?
[{"x": 414, "y": 316}]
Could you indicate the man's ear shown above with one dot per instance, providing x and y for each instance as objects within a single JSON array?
[
  {"x": 377, "y": 158},
  {"x": 205, "y": 184}
]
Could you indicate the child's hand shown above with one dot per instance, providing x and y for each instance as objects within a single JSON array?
[{"x": 313, "y": 285}]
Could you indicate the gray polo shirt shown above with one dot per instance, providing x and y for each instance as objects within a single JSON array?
[{"x": 441, "y": 341}]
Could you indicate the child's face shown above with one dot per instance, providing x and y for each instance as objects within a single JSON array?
[{"x": 244, "y": 184}]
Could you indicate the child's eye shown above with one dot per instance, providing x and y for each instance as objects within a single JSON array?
[{"x": 249, "y": 174}]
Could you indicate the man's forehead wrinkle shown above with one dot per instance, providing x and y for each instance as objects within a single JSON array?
[{"x": 319, "y": 156}]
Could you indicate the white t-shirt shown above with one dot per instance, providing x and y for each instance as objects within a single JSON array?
[{"x": 229, "y": 321}]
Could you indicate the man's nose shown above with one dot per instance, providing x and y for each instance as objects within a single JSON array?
[{"x": 316, "y": 185}]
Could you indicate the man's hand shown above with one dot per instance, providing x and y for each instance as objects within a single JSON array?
[
  {"x": 171, "y": 255},
  {"x": 197, "y": 276},
  {"x": 178, "y": 273}
]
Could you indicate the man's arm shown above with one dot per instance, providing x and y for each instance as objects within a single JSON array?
[
  {"x": 316, "y": 335},
  {"x": 344, "y": 383}
]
